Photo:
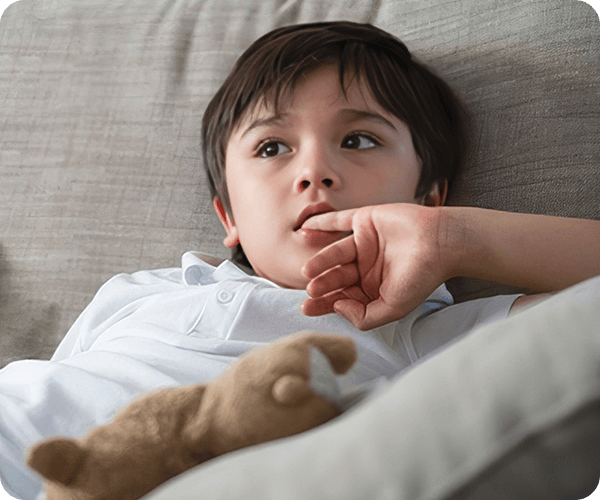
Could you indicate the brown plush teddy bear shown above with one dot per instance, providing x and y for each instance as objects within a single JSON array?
[{"x": 267, "y": 394}]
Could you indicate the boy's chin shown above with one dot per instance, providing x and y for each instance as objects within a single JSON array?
[
  {"x": 295, "y": 284},
  {"x": 294, "y": 281}
]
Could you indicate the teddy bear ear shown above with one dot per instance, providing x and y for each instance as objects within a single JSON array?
[{"x": 57, "y": 459}]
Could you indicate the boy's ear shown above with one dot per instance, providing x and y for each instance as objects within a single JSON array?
[
  {"x": 437, "y": 196},
  {"x": 232, "y": 239}
]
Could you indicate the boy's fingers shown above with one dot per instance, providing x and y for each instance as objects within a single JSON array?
[
  {"x": 324, "y": 305},
  {"x": 334, "y": 279},
  {"x": 332, "y": 221},
  {"x": 339, "y": 253},
  {"x": 320, "y": 305},
  {"x": 367, "y": 317}
]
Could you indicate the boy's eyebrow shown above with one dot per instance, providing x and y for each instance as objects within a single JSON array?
[
  {"x": 348, "y": 115},
  {"x": 354, "y": 115},
  {"x": 263, "y": 122}
]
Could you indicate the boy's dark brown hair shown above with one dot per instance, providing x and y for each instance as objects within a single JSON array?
[{"x": 271, "y": 67}]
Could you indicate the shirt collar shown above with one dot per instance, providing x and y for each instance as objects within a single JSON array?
[{"x": 203, "y": 269}]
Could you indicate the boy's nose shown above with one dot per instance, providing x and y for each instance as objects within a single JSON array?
[
  {"x": 305, "y": 184},
  {"x": 317, "y": 171}
]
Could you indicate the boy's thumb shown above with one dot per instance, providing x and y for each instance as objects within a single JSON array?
[{"x": 352, "y": 310}]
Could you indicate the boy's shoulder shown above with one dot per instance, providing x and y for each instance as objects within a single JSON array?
[
  {"x": 151, "y": 281},
  {"x": 465, "y": 316},
  {"x": 125, "y": 289}
]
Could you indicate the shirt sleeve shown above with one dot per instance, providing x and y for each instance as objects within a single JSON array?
[{"x": 449, "y": 324}]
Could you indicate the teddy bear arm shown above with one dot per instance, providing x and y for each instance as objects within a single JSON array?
[
  {"x": 340, "y": 350},
  {"x": 291, "y": 390}
]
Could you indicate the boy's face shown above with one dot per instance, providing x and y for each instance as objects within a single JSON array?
[{"x": 323, "y": 147}]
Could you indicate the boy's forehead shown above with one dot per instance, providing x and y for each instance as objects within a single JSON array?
[{"x": 277, "y": 107}]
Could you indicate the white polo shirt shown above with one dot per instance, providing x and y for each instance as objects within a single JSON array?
[{"x": 177, "y": 326}]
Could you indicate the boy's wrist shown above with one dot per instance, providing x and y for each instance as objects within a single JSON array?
[{"x": 453, "y": 241}]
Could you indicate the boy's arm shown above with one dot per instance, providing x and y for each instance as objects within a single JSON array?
[
  {"x": 399, "y": 253},
  {"x": 539, "y": 252}
]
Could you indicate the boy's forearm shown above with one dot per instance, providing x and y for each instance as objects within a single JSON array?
[{"x": 539, "y": 252}]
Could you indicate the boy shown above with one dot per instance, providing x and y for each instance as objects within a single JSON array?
[{"x": 365, "y": 132}]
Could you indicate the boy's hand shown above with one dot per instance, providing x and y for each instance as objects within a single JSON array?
[{"x": 395, "y": 258}]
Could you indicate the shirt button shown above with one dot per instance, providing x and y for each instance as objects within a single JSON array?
[{"x": 225, "y": 297}]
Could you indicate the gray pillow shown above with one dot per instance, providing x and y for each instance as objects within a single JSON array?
[{"x": 509, "y": 412}]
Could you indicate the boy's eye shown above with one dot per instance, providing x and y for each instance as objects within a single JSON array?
[
  {"x": 272, "y": 148},
  {"x": 359, "y": 141}
]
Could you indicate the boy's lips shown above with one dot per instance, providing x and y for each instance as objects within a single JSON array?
[
  {"x": 309, "y": 211},
  {"x": 315, "y": 237}
]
